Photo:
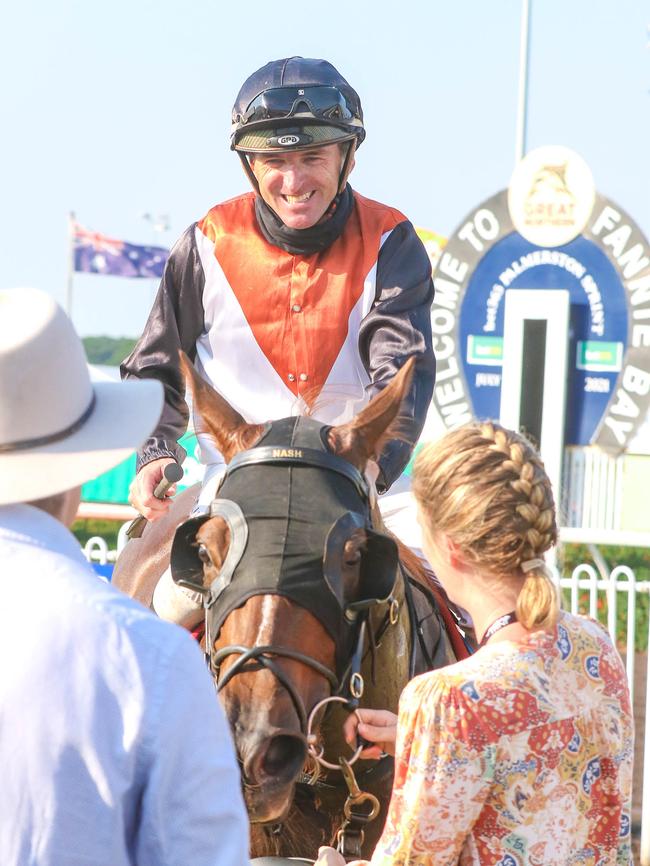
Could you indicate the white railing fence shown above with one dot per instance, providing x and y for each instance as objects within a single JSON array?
[
  {"x": 96, "y": 550},
  {"x": 588, "y": 593}
]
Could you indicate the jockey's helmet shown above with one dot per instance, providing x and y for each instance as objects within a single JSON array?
[{"x": 294, "y": 104}]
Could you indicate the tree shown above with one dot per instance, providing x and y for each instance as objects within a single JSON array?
[{"x": 110, "y": 351}]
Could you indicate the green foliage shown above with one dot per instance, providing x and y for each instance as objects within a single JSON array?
[
  {"x": 106, "y": 529},
  {"x": 636, "y": 558},
  {"x": 108, "y": 350}
]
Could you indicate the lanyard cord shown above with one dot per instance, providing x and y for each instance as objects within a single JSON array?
[{"x": 497, "y": 625}]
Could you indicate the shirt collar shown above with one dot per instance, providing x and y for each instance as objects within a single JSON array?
[{"x": 25, "y": 524}]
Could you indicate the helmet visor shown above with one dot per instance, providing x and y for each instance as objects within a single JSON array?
[
  {"x": 252, "y": 139},
  {"x": 323, "y": 102}
]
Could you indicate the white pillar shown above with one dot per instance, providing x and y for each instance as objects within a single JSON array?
[{"x": 534, "y": 373}]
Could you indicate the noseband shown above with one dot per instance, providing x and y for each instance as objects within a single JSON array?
[{"x": 264, "y": 655}]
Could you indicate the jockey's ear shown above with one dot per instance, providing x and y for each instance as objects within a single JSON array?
[
  {"x": 364, "y": 436},
  {"x": 226, "y": 426}
]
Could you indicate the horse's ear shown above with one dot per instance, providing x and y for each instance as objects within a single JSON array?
[
  {"x": 226, "y": 426},
  {"x": 364, "y": 436}
]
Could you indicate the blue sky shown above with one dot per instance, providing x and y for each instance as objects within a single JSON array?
[{"x": 116, "y": 110}]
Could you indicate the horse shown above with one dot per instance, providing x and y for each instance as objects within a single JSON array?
[{"x": 309, "y": 612}]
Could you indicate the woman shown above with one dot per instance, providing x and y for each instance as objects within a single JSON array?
[{"x": 522, "y": 753}]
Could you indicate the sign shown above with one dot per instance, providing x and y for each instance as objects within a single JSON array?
[
  {"x": 599, "y": 356},
  {"x": 551, "y": 196},
  {"x": 484, "y": 351},
  {"x": 606, "y": 269}
]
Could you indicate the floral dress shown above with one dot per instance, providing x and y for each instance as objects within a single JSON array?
[{"x": 521, "y": 754}]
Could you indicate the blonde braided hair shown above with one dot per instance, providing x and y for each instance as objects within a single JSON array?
[{"x": 486, "y": 488}]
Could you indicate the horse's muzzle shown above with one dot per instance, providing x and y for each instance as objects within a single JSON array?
[{"x": 277, "y": 759}]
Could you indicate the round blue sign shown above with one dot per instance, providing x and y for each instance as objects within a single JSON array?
[{"x": 606, "y": 271}]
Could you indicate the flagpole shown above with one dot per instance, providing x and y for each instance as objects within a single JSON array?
[
  {"x": 522, "y": 107},
  {"x": 68, "y": 300}
]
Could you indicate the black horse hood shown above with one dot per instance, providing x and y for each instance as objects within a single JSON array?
[
  {"x": 292, "y": 519},
  {"x": 289, "y": 510}
]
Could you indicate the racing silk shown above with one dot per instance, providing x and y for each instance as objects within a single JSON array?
[{"x": 279, "y": 334}]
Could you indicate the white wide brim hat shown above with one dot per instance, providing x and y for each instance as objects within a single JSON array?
[{"x": 58, "y": 428}]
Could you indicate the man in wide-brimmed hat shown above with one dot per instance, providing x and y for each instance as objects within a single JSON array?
[{"x": 113, "y": 747}]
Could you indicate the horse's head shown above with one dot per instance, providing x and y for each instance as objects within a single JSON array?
[{"x": 289, "y": 563}]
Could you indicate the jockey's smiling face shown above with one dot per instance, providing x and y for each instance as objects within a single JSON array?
[{"x": 299, "y": 185}]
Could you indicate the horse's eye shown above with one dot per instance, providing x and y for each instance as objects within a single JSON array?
[
  {"x": 352, "y": 557},
  {"x": 204, "y": 555}
]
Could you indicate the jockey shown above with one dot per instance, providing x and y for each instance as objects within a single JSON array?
[{"x": 301, "y": 295}]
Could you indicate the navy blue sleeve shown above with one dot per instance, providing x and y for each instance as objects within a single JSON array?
[
  {"x": 175, "y": 322},
  {"x": 397, "y": 327}
]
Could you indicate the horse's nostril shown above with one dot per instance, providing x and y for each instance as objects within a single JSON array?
[{"x": 284, "y": 756}]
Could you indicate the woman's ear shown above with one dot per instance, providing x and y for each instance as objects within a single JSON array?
[
  {"x": 439, "y": 546},
  {"x": 454, "y": 555}
]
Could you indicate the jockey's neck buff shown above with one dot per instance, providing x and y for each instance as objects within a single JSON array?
[{"x": 305, "y": 242}]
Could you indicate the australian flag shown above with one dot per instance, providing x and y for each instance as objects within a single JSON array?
[{"x": 98, "y": 254}]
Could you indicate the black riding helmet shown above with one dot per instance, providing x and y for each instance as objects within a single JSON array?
[{"x": 295, "y": 103}]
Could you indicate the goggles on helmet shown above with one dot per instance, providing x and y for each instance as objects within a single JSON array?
[{"x": 323, "y": 102}]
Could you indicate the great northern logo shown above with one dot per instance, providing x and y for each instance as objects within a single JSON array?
[
  {"x": 551, "y": 196},
  {"x": 550, "y": 199}
]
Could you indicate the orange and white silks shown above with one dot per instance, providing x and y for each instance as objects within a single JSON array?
[{"x": 282, "y": 331}]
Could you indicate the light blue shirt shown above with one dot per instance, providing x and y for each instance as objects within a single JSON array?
[{"x": 113, "y": 747}]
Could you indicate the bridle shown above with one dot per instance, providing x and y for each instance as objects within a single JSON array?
[
  {"x": 347, "y": 685},
  {"x": 265, "y": 656}
]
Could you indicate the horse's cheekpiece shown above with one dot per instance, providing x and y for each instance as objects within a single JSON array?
[{"x": 284, "y": 501}]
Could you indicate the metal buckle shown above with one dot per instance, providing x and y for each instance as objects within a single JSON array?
[{"x": 356, "y": 685}]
